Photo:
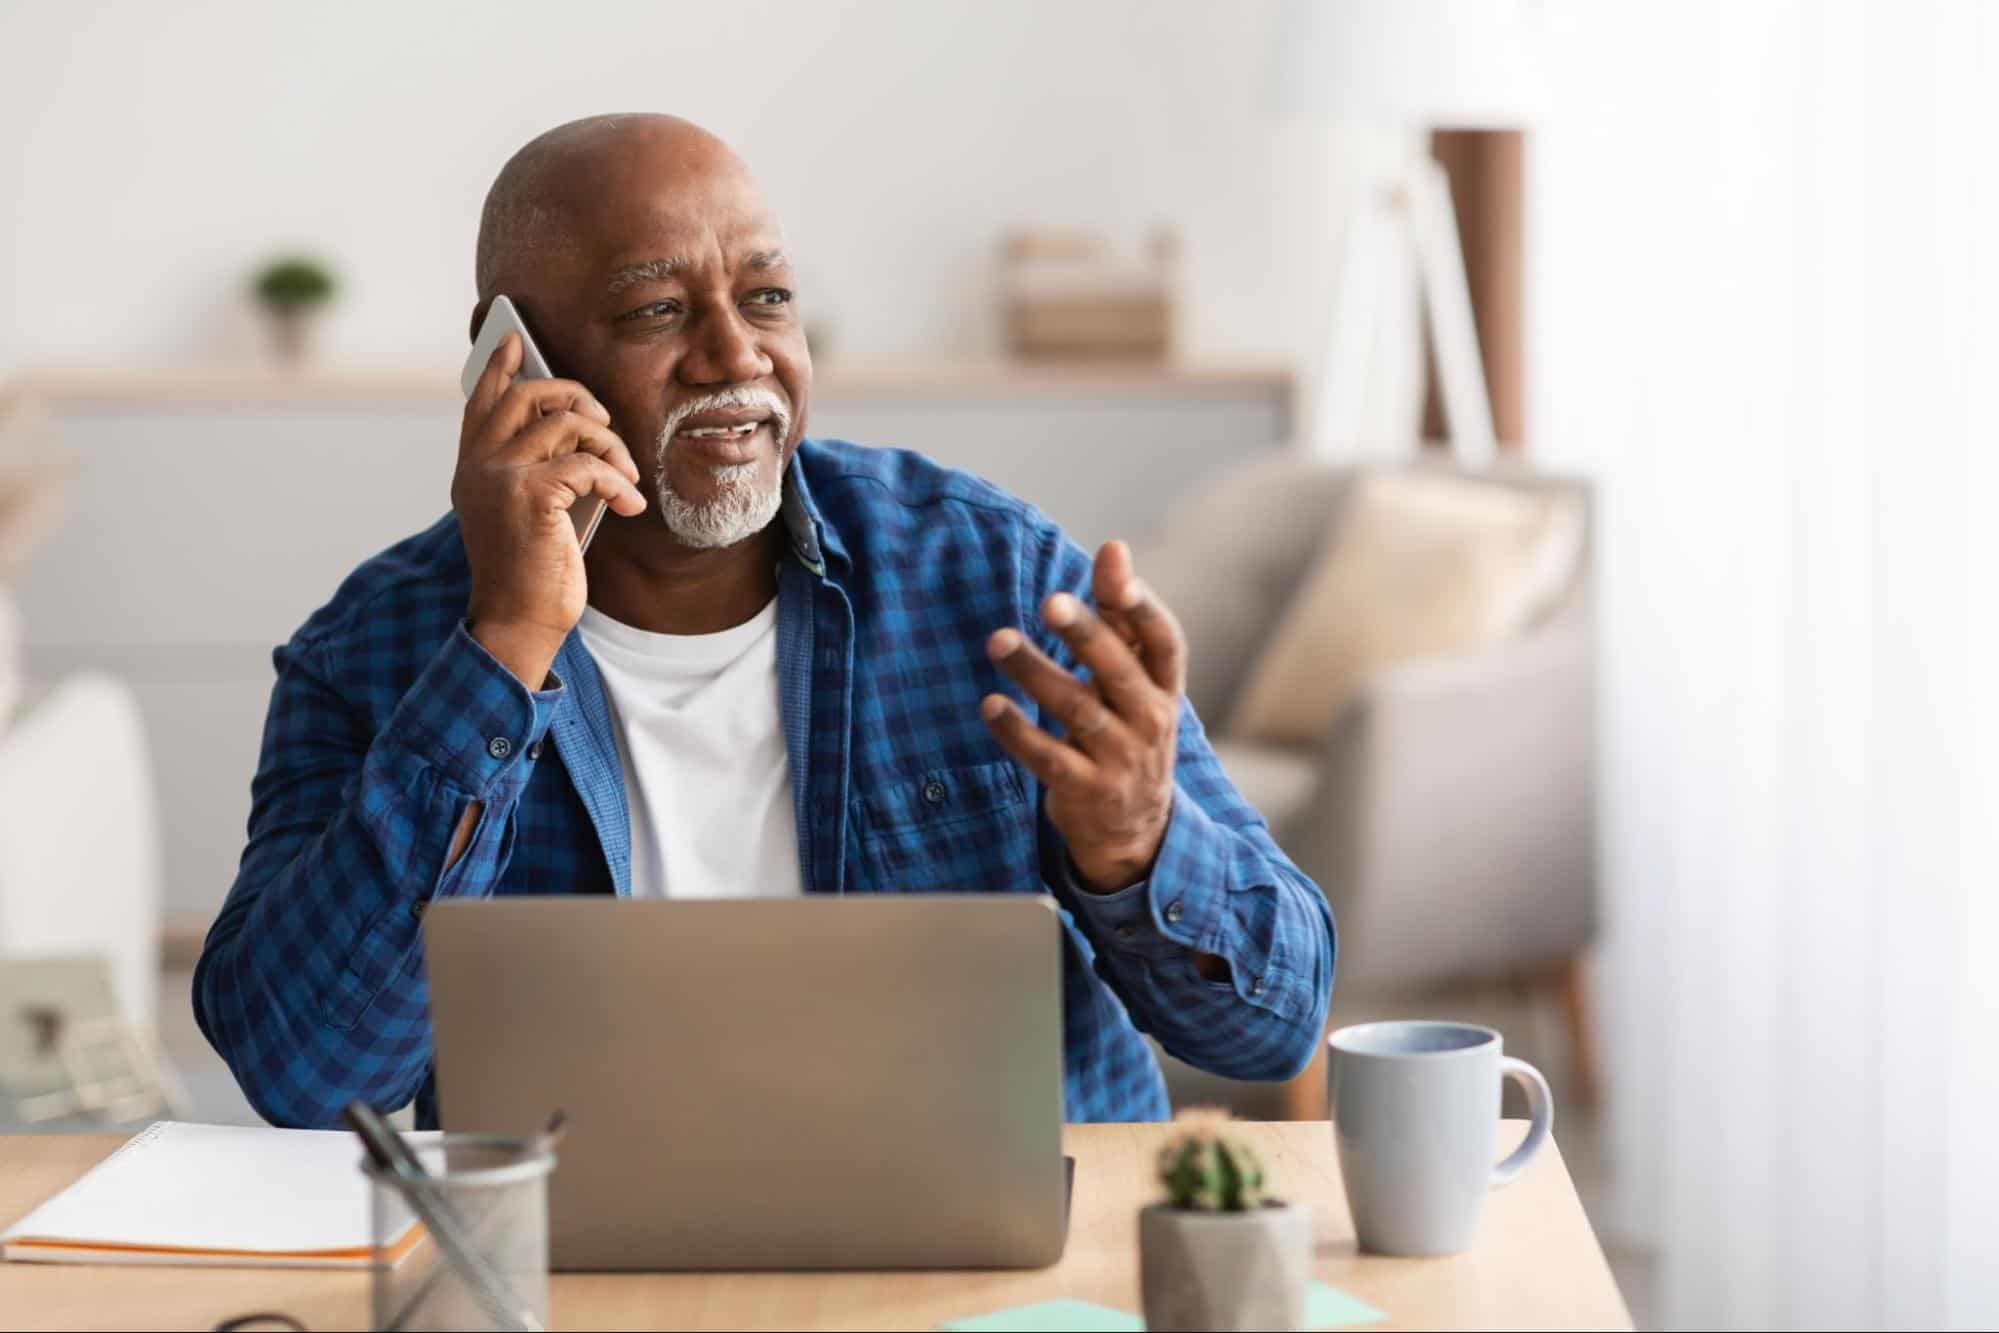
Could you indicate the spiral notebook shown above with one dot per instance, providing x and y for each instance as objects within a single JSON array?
[{"x": 212, "y": 1194}]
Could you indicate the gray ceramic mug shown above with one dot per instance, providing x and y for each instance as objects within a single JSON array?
[{"x": 1416, "y": 1115}]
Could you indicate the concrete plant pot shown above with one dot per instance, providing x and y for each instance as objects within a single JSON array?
[
  {"x": 293, "y": 333},
  {"x": 1224, "y": 1271}
]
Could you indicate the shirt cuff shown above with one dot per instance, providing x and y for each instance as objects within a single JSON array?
[
  {"x": 473, "y": 719},
  {"x": 1172, "y": 907}
]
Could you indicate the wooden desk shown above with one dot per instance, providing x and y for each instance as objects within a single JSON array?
[{"x": 1536, "y": 1264}]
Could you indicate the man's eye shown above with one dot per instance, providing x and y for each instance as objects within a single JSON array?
[
  {"x": 771, "y": 296},
  {"x": 652, "y": 310}
]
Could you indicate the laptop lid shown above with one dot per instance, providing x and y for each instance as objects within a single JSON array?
[{"x": 865, "y": 1082}]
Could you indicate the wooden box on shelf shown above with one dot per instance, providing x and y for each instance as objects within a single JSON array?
[{"x": 1069, "y": 297}]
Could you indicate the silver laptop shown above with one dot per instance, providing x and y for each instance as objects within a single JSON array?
[{"x": 866, "y": 1082}]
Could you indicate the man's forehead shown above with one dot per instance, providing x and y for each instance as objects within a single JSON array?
[
  {"x": 611, "y": 194},
  {"x": 637, "y": 216}
]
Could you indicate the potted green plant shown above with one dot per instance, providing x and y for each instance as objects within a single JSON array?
[
  {"x": 292, "y": 291},
  {"x": 1219, "y": 1253}
]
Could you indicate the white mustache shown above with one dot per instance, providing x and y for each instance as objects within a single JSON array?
[{"x": 746, "y": 395}]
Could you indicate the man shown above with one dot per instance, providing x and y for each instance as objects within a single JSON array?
[{"x": 787, "y": 665}]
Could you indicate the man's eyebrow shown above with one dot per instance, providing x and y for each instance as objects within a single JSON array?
[
  {"x": 766, "y": 259},
  {"x": 631, "y": 275}
]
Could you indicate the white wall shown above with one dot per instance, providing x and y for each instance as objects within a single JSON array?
[
  {"x": 150, "y": 154},
  {"x": 1764, "y": 294}
]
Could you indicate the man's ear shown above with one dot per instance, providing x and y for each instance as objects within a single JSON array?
[{"x": 478, "y": 318}]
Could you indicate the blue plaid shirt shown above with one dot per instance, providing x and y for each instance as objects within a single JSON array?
[{"x": 388, "y": 719}]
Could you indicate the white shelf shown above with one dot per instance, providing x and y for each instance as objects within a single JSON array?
[{"x": 221, "y": 385}]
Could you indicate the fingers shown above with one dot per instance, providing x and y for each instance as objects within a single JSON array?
[
  {"x": 1111, "y": 576},
  {"x": 1113, "y": 664},
  {"x": 1131, "y": 607},
  {"x": 568, "y": 432},
  {"x": 522, "y": 402},
  {"x": 500, "y": 369},
  {"x": 565, "y": 480},
  {"x": 1041, "y": 754},
  {"x": 1090, "y": 723},
  {"x": 1162, "y": 644}
]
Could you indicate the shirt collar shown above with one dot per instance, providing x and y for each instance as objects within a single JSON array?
[{"x": 813, "y": 540}]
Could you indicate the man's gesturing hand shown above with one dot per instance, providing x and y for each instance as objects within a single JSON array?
[
  {"x": 530, "y": 449},
  {"x": 1110, "y": 781}
]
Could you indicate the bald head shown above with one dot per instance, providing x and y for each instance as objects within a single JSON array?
[{"x": 523, "y": 222}]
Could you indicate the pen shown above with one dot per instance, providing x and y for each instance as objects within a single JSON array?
[
  {"x": 405, "y": 1173},
  {"x": 539, "y": 1146}
]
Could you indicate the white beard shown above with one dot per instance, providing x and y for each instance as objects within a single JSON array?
[{"x": 741, "y": 506}]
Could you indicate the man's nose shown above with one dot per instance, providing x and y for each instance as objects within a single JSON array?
[{"x": 724, "y": 351}]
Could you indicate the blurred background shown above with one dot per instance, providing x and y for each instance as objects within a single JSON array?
[{"x": 1567, "y": 430}]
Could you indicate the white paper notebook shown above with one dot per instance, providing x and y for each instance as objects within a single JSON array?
[{"x": 212, "y": 1194}]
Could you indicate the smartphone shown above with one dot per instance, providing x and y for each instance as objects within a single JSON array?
[{"x": 502, "y": 319}]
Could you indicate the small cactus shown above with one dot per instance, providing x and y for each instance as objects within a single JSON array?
[{"x": 1206, "y": 1170}]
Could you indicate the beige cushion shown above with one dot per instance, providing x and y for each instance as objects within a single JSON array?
[
  {"x": 1420, "y": 564},
  {"x": 1229, "y": 592}
]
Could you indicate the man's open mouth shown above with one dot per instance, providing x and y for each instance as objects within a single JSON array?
[
  {"x": 722, "y": 437},
  {"x": 721, "y": 423},
  {"x": 725, "y": 429},
  {"x": 717, "y": 432}
]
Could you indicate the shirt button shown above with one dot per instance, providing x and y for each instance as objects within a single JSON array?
[
  {"x": 933, "y": 792},
  {"x": 534, "y": 751},
  {"x": 1173, "y": 910},
  {"x": 418, "y": 908},
  {"x": 1256, "y": 987},
  {"x": 1125, "y": 930},
  {"x": 499, "y": 747}
]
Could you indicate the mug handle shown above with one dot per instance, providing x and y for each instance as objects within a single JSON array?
[{"x": 1540, "y": 1106}]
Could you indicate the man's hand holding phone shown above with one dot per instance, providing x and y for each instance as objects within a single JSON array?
[{"x": 529, "y": 450}]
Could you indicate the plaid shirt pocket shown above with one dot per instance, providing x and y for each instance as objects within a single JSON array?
[{"x": 952, "y": 830}]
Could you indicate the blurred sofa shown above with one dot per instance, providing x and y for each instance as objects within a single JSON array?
[
  {"x": 79, "y": 912},
  {"x": 79, "y": 837},
  {"x": 1447, "y": 811}
]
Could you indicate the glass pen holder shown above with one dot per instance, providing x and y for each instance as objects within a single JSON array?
[{"x": 472, "y": 1251}]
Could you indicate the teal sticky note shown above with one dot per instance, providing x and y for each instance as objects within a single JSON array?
[
  {"x": 1063, "y": 1316},
  {"x": 1325, "y": 1307},
  {"x": 1329, "y": 1307}
]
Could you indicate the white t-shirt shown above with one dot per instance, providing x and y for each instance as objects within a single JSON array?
[{"x": 706, "y": 778}]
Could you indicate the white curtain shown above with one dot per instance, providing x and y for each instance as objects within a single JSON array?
[{"x": 1765, "y": 276}]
